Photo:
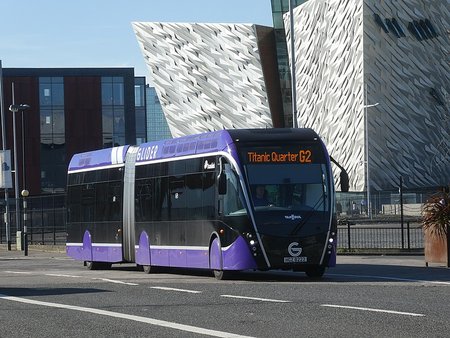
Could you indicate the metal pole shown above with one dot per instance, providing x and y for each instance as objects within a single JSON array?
[
  {"x": 348, "y": 236},
  {"x": 3, "y": 115},
  {"x": 25, "y": 194},
  {"x": 448, "y": 245},
  {"x": 408, "y": 235},
  {"x": 23, "y": 152},
  {"x": 16, "y": 178},
  {"x": 401, "y": 211},
  {"x": 369, "y": 205},
  {"x": 293, "y": 80},
  {"x": 366, "y": 137}
]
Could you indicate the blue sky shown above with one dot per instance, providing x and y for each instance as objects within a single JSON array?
[{"x": 98, "y": 33}]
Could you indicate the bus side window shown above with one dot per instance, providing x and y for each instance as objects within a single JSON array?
[{"x": 232, "y": 200}]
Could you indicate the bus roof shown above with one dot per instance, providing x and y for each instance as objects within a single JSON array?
[
  {"x": 188, "y": 145},
  {"x": 98, "y": 158},
  {"x": 183, "y": 146}
]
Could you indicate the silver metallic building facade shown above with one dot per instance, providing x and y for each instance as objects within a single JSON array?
[
  {"x": 373, "y": 79},
  {"x": 210, "y": 76}
]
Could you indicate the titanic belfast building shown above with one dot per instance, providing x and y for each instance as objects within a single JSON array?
[{"x": 371, "y": 78}]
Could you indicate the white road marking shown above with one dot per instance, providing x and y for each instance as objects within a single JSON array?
[
  {"x": 173, "y": 289},
  {"x": 390, "y": 278},
  {"x": 19, "y": 272},
  {"x": 151, "y": 321},
  {"x": 260, "y": 299},
  {"x": 115, "y": 281},
  {"x": 374, "y": 310},
  {"x": 60, "y": 275}
]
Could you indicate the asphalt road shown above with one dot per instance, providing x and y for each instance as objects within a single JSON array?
[{"x": 50, "y": 295}]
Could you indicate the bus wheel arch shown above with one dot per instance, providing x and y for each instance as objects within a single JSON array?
[
  {"x": 143, "y": 253},
  {"x": 215, "y": 257}
]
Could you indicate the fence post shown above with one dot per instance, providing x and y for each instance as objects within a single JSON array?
[
  {"x": 54, "y": 221},
  {"x": 448, "y": 245},
  {"x": 407, "y": 234},
  {"x": 348, "y": 236},
  {"x": 42, "y": 222},
  {"x": 400, "y": 191}
]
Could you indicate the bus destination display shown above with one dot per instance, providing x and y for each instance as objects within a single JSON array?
[{"x": 300, "y": 156}]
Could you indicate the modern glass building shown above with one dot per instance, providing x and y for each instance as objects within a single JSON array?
[
  {"x": 157, "y": 127},
  {"x": 279, "y": 8},
  {"x": 71, "y": 110}
]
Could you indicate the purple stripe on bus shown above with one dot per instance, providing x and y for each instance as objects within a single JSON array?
[
  {"x": 91, "y": 253},
  {"x": 111, "y": 254},
  {"x": 235, "y": 257}
]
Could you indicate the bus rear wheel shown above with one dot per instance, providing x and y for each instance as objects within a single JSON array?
[
  {"x": 146, "y": 268},
  {"x": 222, "y": 275},
  {"x": 315, "y": 272}
]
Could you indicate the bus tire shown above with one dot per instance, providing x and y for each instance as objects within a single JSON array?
[
  {"x": 147, "y": 268},
  {"x": 315, "y": 272},
  {"x": 222, "y": 274},
  {"x": 92, "y": 265}
]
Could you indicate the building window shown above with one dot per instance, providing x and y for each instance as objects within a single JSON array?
[
  {"x": 139, "y": 109},
  {"x": 422, "y": 30},
  {"x": 52, "y": 134},
  {"x": 113, "y": 111},
  {"x": 380, "y": 23}
]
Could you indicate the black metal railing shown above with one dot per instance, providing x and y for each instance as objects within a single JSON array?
[
  {"x": 380, "y": 237},
  {"x": 46, "y": 225}
]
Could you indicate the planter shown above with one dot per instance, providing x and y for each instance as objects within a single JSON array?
[{"x": 436, "y": 248}]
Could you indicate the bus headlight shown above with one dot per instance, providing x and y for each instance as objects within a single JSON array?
[
  {"x": 252, "y": 242},
  {"x": 331, "y": 240}
]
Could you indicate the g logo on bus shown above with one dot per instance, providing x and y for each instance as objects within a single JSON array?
[{"x": 294, "y": 249}]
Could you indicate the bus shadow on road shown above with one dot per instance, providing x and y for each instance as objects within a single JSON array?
[{"x": 34, "y": 292}]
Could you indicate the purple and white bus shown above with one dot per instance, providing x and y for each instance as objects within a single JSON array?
[{"x": 192, "y": 202}]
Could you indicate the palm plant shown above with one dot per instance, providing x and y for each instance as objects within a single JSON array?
[{"x": 436, "y": 214}]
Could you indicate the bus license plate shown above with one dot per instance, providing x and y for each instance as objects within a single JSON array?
[{"x": 302, "y": 259}]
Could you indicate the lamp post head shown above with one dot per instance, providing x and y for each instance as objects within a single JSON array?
[
  {"x": 18, "y": 107},
  {"x": 25, "y": 193}
]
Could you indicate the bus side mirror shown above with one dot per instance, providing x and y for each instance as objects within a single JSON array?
[
  {"x": 222, "y": 184},
  {"x": 345, "y": 184}
]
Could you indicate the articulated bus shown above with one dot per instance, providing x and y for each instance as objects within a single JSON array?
[{"x": 191, "y": 202}]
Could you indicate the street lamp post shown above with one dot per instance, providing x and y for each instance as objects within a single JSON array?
[
  {"x": 15, "y": 108},
  {"x": 369, "y": 204}
]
